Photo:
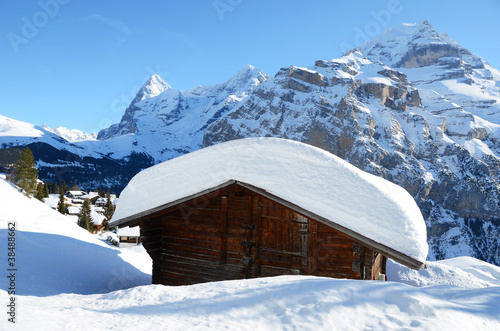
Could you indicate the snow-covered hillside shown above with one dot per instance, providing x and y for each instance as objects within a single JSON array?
[
  {"x": 68, "y": 279},
  {"x": 55, "y": 255},
  {"x": 278, "y": 303}
]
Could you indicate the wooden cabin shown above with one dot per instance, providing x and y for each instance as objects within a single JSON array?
[
  {"x": 238, "y": 230},
  {"x": 129, "y": 235}
]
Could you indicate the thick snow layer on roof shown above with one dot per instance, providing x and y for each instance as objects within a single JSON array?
[
  {"x": 304, "y": 175},
  {"x": 128, "y": 232}
]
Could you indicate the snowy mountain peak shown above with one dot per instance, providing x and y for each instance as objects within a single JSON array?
[
  {"x": 246, "y": 78},
  {"x": 243, "y": 81},
  {"x": 413, "y": 45},
  {"x": 180, "y": 116},
  {"x": 249, "y": 71},
  {"x": 152, "y": 88},
  {"x": 70, "y": 135}
]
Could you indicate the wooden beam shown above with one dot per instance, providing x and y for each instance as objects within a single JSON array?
[
  {"x": 313, "y": 248},
  {"x": 223, "y": 230}
]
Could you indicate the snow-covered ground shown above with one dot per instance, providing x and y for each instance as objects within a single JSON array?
[
  {"x": 54, "y": 255},
  {"x": 67, "y": 278}
]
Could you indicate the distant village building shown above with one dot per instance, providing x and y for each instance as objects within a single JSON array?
[
  {"x": 73, "y": 210},
  {"x": 75, "y": 194},
  {"x": 265, "y": 207},
  {"x": 99, "y": 222},
  {"x": 91, "y": 196},
  {"x": 129, "y": 235},
  {"x": 101, "y": 202}
]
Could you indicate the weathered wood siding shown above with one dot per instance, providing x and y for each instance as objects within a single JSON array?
[
  {"x": 338, "y": 254},
  {"x": 284, "y": 240},
  {"x": 236, "y": 233},
  {"x": 191, "y": 243},
  {"x": 151, "y": 240}
]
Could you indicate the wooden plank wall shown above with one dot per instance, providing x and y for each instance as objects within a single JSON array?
[
  {"x": 377, "y": 264},
  {"x": 284, "y": 242},
  {"x": 151, "y": 240},
  {"x": 191, "y": 244},
  {"x": 239, "y": 236},
  {"x": 237, "y": 233},
  {"x": 335, "y": 254}
]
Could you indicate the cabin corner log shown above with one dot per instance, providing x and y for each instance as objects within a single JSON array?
[{"x": 238, "y": 231}]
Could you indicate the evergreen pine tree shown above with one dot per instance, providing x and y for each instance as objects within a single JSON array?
[
  {"x": 84, "y": 217},
  {"x": 46, "y": 190},
  {"x": 64, "y": 187},
  {"x": 40, "y": 192},
  {"x": 109, "y": 209},
  {"x": 100, "y": 192},
  {"x": 61, "y": 207},
  {"x": 25, "y": 172},
  {"x": 54, "y": 188},
  {"x": 75, "y": 187}
]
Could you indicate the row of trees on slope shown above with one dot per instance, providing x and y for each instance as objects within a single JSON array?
[{"x": 25, "y": 176}]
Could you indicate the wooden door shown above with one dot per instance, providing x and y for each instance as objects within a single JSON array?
[
  {"x": 283, "y": 244},
  {"x": 239, "y": 235},
  {"x": 264, "y": 238}
]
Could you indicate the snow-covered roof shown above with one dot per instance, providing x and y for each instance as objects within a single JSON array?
[
  {"x": 72, "y": 210},
  {"x": 97, "y": 218},
  {"x": 90, "y": 195},
  {"x": 128, "y": 231},
  {"x": 76, "y": 193},
  {"x": 303, "y": 175}
]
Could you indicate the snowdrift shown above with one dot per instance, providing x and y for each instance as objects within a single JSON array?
[
  {"x": 282, "y": 303},
  {"x": 54, "y": 255}
]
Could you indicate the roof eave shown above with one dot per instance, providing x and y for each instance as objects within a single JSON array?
[{"x": 134, "y": 219}]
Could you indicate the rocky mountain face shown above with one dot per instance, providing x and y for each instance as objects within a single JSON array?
[
  {"x": 150, "y": 89},
  {"x": 159, "y": 124},
  {"x": 412, "y": 106},
  {"x": 164, "y": 122}
]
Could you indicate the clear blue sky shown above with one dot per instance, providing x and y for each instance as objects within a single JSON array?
[{"x": 79, "y": 63}]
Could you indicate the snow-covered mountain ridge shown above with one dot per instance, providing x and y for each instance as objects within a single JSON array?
[
  {"x": 73, "y": 135},
  {"x": 160, "y": 123},
  {"x": 412, "y": 106},
  {"x": 169, "y": 122}
]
